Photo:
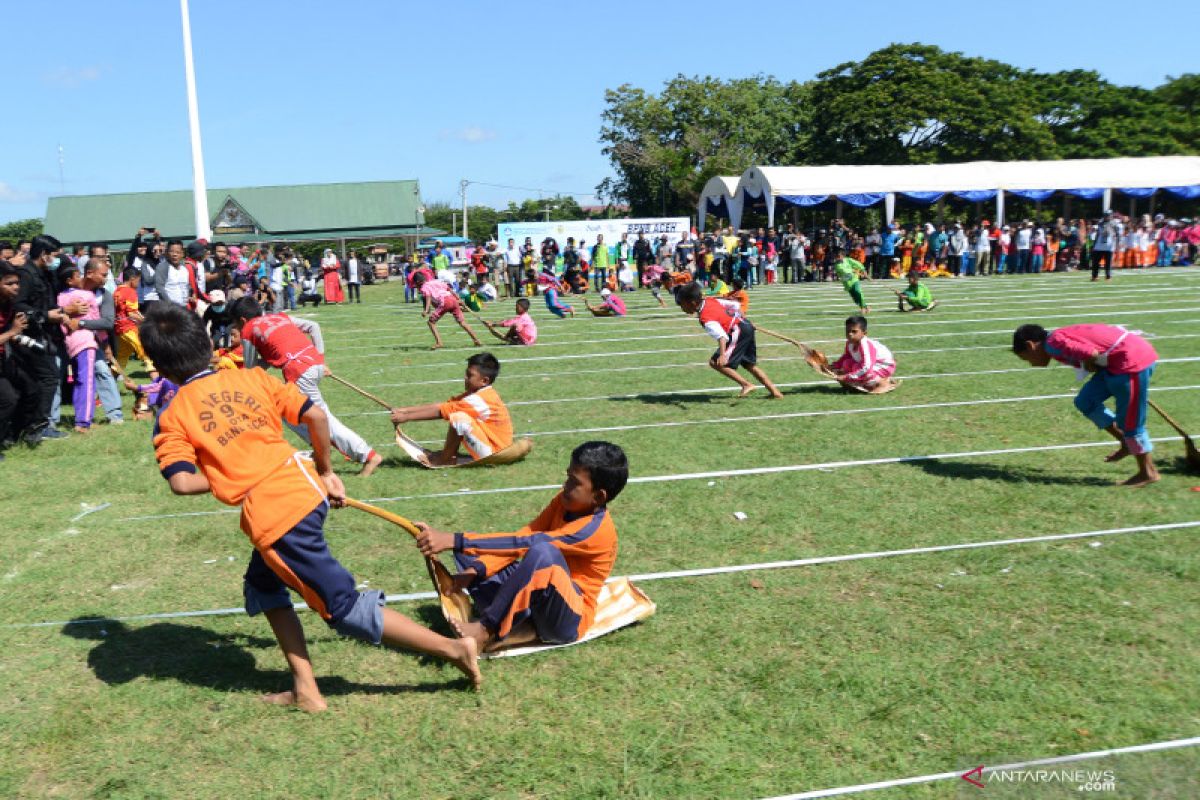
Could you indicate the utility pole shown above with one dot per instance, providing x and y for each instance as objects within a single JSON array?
[
  {"x": 462, "y": 190},
  {"x": 199, "y": 190}
]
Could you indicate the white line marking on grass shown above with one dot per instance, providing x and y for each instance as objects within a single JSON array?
[
  {"x": 695, "y": 573},
  {"x": 1116, "y": 317},
  {"x": 692, "y": 364},
  {"x": 809, "y": 326},
  {"x": 764, "y": 308},
  {"x": 731, "y": 473},
  {"x": 825, "y": 413},
  {"x": 794, "y": 384},
  {"x": 1020, "y": 765}
]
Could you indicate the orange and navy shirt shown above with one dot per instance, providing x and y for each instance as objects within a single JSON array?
[
  {"x": 588, "y": 544},
  {"x": 488, "y": 410},
  {"x": 227, "y": 425}
]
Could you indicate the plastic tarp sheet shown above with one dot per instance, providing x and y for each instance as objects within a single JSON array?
[
  {"x": 862, "y": 199},
  {"x": 927, "y": 198},
  {"x": 976, "y": 195},
  {"x": 1186, "y": 192},
  {"x": 804, "y": 200},
  {"x": 1032, "y": 194}
]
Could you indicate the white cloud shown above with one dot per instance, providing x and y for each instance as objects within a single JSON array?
[
  {"x": 72, "y": 77},
  {"x": 10, "y": 194},
  {"x": 472, "y": 134}
]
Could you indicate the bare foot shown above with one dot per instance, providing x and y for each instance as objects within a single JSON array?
[
  {"x": 776, "y": 394},
  {"x": 290, "y": 698},
  {"x": 473, "y": 631},
  {"x": 437, "y": 346},
  {"x": 747, "y": 389},
  {"x": 468, "y": 662},
  {"x": 1141, "y": 479},
  {"x": 372, "y": 464},
  {"x": 81, "y": 429},
  {"x": 477, "y": 343},
  {"x": 1117, "y": 455}
]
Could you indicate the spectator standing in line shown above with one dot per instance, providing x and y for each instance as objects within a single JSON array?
[
  {"x": 1105, "y": 244},
  {"x": 600, "y": 263},
  {"x": 983, "y": 250},
  {"x": 956, "y": 249},
  {"x": 512, "y": 266},
  {"x": 643, "y": 256},
  {"x": 888, "y": 239},
  {"x": 354, "y": 269}
]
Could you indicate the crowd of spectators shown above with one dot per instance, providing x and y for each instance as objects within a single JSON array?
[{"x": 68, "y": 323}]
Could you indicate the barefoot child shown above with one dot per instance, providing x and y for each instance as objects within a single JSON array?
[
  {"x": 866, "y": 363},
  {"x": 478, "y": 418},
  {"x": 541, "y": 582},
  {"x": 440, "y": 299},
  {"x": 222, "y": 434},
  {"x": 723, "y": 321},
  {"x": 1122, "y": 362},
  {"x": 520, "y": 329},
  {"x": 848, "y": 271},
  {"x": 916, "y": 294},
  {"x": 126, "y": 317},
  {"x": 294, "y": 345},
  {"x": 612, "y": 306},
  {"x": 556, "y": 306}
]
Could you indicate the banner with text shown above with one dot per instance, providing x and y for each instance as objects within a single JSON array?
[{"x": 589, "y": 230}]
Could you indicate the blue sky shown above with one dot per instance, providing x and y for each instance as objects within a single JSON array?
[{"x": 504, "y": 93}]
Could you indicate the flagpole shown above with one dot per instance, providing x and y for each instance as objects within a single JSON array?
[{"x": 199, "y": 190}]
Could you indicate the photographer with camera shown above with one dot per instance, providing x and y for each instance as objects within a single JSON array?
[
  {"x": 16, "y": 390},
  {"x": 41, "y": 361}
]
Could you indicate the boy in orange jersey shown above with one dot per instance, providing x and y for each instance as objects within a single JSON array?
[
  {"x": 478, "y": 418},
  {"x": 541, "y": 583},
  {"x": 222, "y": 434},
  {"x": 126, "y": 319}
]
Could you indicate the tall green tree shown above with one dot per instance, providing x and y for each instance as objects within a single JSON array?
[
  {"x": 21, "y": 229},
  {"x": 917, "y": 104},
  {"x": 664, "y": 148}
]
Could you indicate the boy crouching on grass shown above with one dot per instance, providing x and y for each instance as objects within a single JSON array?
[
  {"x": 865, "y": 363},
  {"x": 222, "y": 434},
  {"x": 541, "y": 583}
]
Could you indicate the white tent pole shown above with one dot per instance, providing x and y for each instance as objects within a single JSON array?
[
  {"x": 199, "y": 190},
  {"x": 889, "y": 207},
  {"x": 999, "y": 206},
  {"x": 1107, "y": 200}
]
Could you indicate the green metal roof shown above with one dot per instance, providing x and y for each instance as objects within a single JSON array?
[{"x": 309, "y": 211}]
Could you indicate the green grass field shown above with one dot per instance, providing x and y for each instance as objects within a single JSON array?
[{"x": 743, "y": 685}]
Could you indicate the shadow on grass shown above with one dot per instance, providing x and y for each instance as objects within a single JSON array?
[
  {"x": 200, "y": 657},
  {"x": 967, "y": 470},
  {"x": 759, "y": 393}
]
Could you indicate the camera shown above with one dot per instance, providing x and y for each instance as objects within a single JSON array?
[{"x": 32, "y": 344}]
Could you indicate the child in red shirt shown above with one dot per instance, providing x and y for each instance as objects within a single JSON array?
[{"x": 723, "y": 321}]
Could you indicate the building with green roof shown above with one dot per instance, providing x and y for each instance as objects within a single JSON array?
[{"x": 319, "y": 211}]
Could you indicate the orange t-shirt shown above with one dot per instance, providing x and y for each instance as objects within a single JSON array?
[
  {"x": 487, "y": 409},
  {"x": 742, "y": 299},
  {"x": 125, "y": 302},
  {"x": 588, "y": 544},
  {"x": 227, "y": 425}
]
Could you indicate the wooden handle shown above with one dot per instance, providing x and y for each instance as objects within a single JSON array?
[
  {"x": 363, "y": 392},
  {"x": 1178, "y": 428},
  {"x": 395, "y": 519}
]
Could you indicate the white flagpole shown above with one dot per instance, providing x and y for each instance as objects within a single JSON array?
[{"x": 199, "y": 190}]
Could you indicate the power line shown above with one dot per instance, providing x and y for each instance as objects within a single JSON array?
[{"x": 529, "y": 189}]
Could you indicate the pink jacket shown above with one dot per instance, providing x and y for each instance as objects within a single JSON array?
[{"x": 1128, "y": 352}]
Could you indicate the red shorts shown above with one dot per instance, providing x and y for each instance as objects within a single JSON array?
[{"x": 449, "y": 305}]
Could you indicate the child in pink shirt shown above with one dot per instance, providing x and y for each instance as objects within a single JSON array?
[
  {"x": 520, "y": 329},
  {"x": 81, "y": 346},
  {"x": 612, "y": 306},
  {"x": 1122, "y": 363}
]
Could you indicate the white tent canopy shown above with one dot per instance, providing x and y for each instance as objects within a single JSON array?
[
  {"x": 719, "y": 197},
  {"x": 976, "y": 181}
]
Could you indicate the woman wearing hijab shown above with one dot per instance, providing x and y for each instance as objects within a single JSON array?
[{"x": 333, "y": 280}]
